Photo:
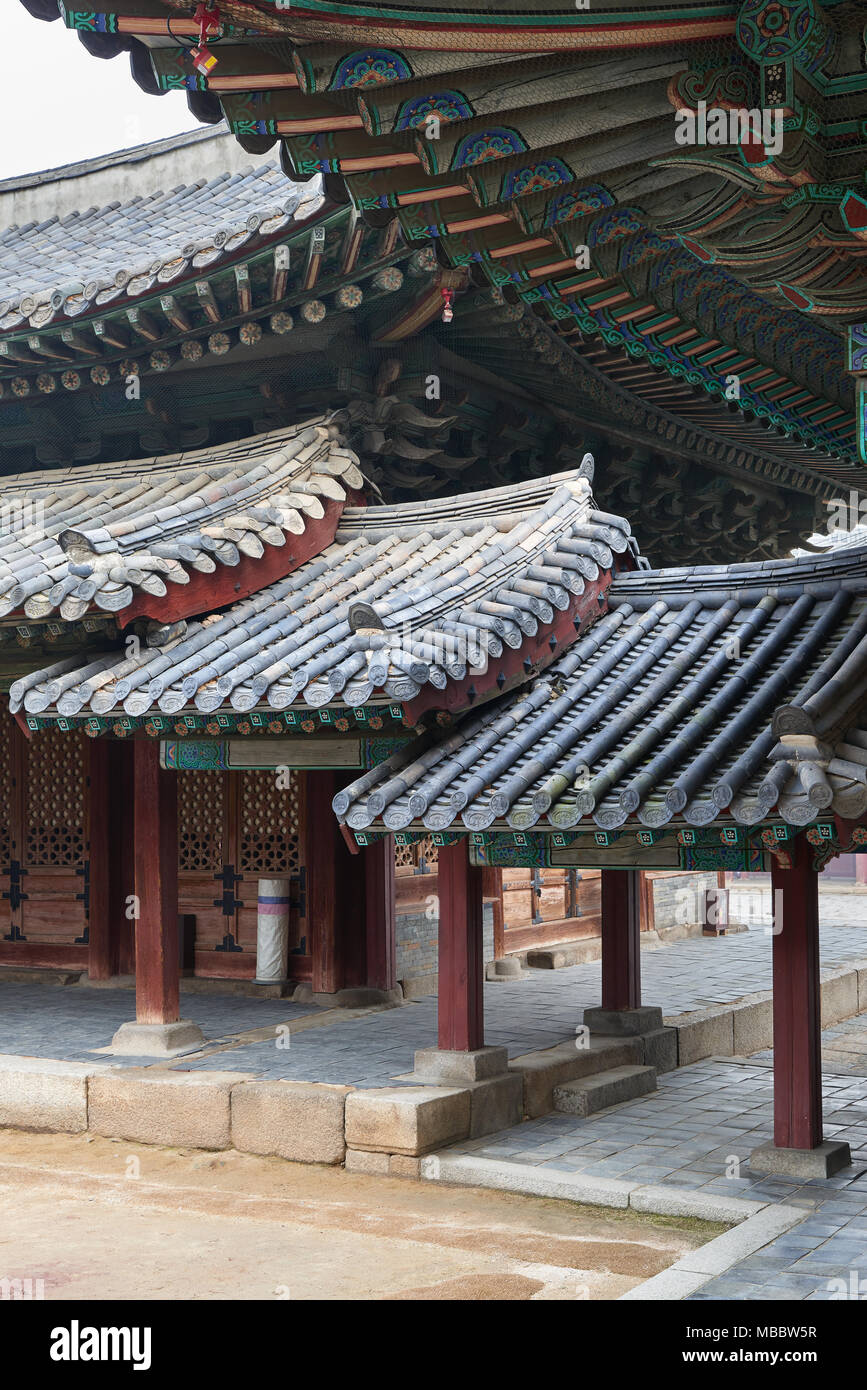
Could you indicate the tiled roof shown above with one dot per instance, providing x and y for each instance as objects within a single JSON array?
[
  {"x": 407, "y": 597},
  {"x": 717, "y": 692},
  {"x": 82, "y": 537},
  {"x": 107, "y": 255}
]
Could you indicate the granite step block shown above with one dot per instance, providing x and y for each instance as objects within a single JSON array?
[{"x": 591, "y": 1094}]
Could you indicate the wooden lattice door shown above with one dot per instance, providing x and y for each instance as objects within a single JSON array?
[
  {"x": 233, "y": 829},
  {"x": 46, "y": 881}
]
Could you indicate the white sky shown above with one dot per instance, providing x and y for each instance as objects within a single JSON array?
[{"x": 59, "y": 105}]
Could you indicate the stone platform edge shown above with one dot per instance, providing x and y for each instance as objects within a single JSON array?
[
  {"x": 382, "y": 1130},
  {"x": 752, "y": 1225},
  {"x": 747, "y": 1025}
]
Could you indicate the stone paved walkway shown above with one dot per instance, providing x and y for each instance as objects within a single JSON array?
[
  {"x": 372, "y": 1047},
  {"x": 696, "y": 1132}
]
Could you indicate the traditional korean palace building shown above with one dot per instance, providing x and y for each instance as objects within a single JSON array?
[{"x": 321, "y": 472}]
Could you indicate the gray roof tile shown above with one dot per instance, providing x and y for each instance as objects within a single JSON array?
[
  {"x": 662, "y": 713},
  {"x": 91, "y": 536},
  {"x": 294, "y": 640}
]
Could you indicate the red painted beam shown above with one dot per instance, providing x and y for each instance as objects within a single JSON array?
[
  {"x": 156, "y": 886},
  {"x": 621, "y": 939},
  {"x": 460, "y": 1006},
  {"x": 797, "y": 1009}
]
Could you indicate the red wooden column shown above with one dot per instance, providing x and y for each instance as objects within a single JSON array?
[
  {"x": 379, "y": 914},
  {"x": 350, "y": 899},
  {"x": 460, "y": 1003},
  {"x": 621, "y": 939},
  {"x": 324, "y": 850},
  {"x": 110, "y": 855},
  {"x": 156, "y": 886},
  {"x": 797, "y": 1011},
  {"x": 122, "y": 842}
]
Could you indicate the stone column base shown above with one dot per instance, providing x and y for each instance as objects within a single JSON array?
[
  {"x": 156, "y": 1039},
  {"x": 440, "y": 1065},
  {"x": 506, "y": 968},
  {"x": 823, "y": 1161},
  {"x": 360, "y": 997},
  {"x": 273, "y": 989},
  {"x": 623, "y": 1022},
  {"x": 496, "y": 1094}
]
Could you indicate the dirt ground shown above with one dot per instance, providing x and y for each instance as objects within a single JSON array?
[{"x": 96, "y": 1219}]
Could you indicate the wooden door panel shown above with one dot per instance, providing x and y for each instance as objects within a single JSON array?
[
  {"x": 269, "y": 824},
  {"x": 233, "y": 829},
  {"x": 53, "y": 838},
  {"x": 556, "y": 903}
]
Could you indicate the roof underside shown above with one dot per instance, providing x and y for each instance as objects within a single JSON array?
[{"x": 703, "y": 261}]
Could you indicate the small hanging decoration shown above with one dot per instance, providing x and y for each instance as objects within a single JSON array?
[
  {"x": 207, "y": 16},
  {"x": 448, "y": 311}
]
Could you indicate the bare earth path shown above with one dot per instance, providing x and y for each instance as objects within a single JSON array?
[{"x": 98, "y": 1220}]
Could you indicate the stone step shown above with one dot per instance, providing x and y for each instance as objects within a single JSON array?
[{"x": 605, "y": 1088}]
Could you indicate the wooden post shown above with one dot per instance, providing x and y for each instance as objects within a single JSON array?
[
  {"x": 122, "y": 850},
  {"x": 350, "y": 899},
  {"x": 460, "y": 1003},
  {"x": 647, "y": 913},
  {"x": 322, "y": 836},
  {"x": 621, "y": 939},
  {"x": 379, "y": 924},
  {"x": 156, "y": 886},
  {"x": 492, "y": 888},
  {"x": 110, "y": 854},
  {"x": 797, "y": 1011}
]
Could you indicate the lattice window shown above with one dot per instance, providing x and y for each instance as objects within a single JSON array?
[
  {"x": 55, "y": 798},
  {"x": 418, "y": 858},
  {"x": 7, "y": 733},
  {"x": 200, "y": 821},
  {"x": 404, "y": 857},
  {"x": 269, "y": 824}
]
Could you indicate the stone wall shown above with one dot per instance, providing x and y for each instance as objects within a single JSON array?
[
  {"x": 416, "y": 943},
  {"x": 678, "y": 898}
]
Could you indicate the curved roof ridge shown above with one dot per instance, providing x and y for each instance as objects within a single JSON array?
[
  {"x": 112, "y": 537},
  {"x": 437, "y": 618}
]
